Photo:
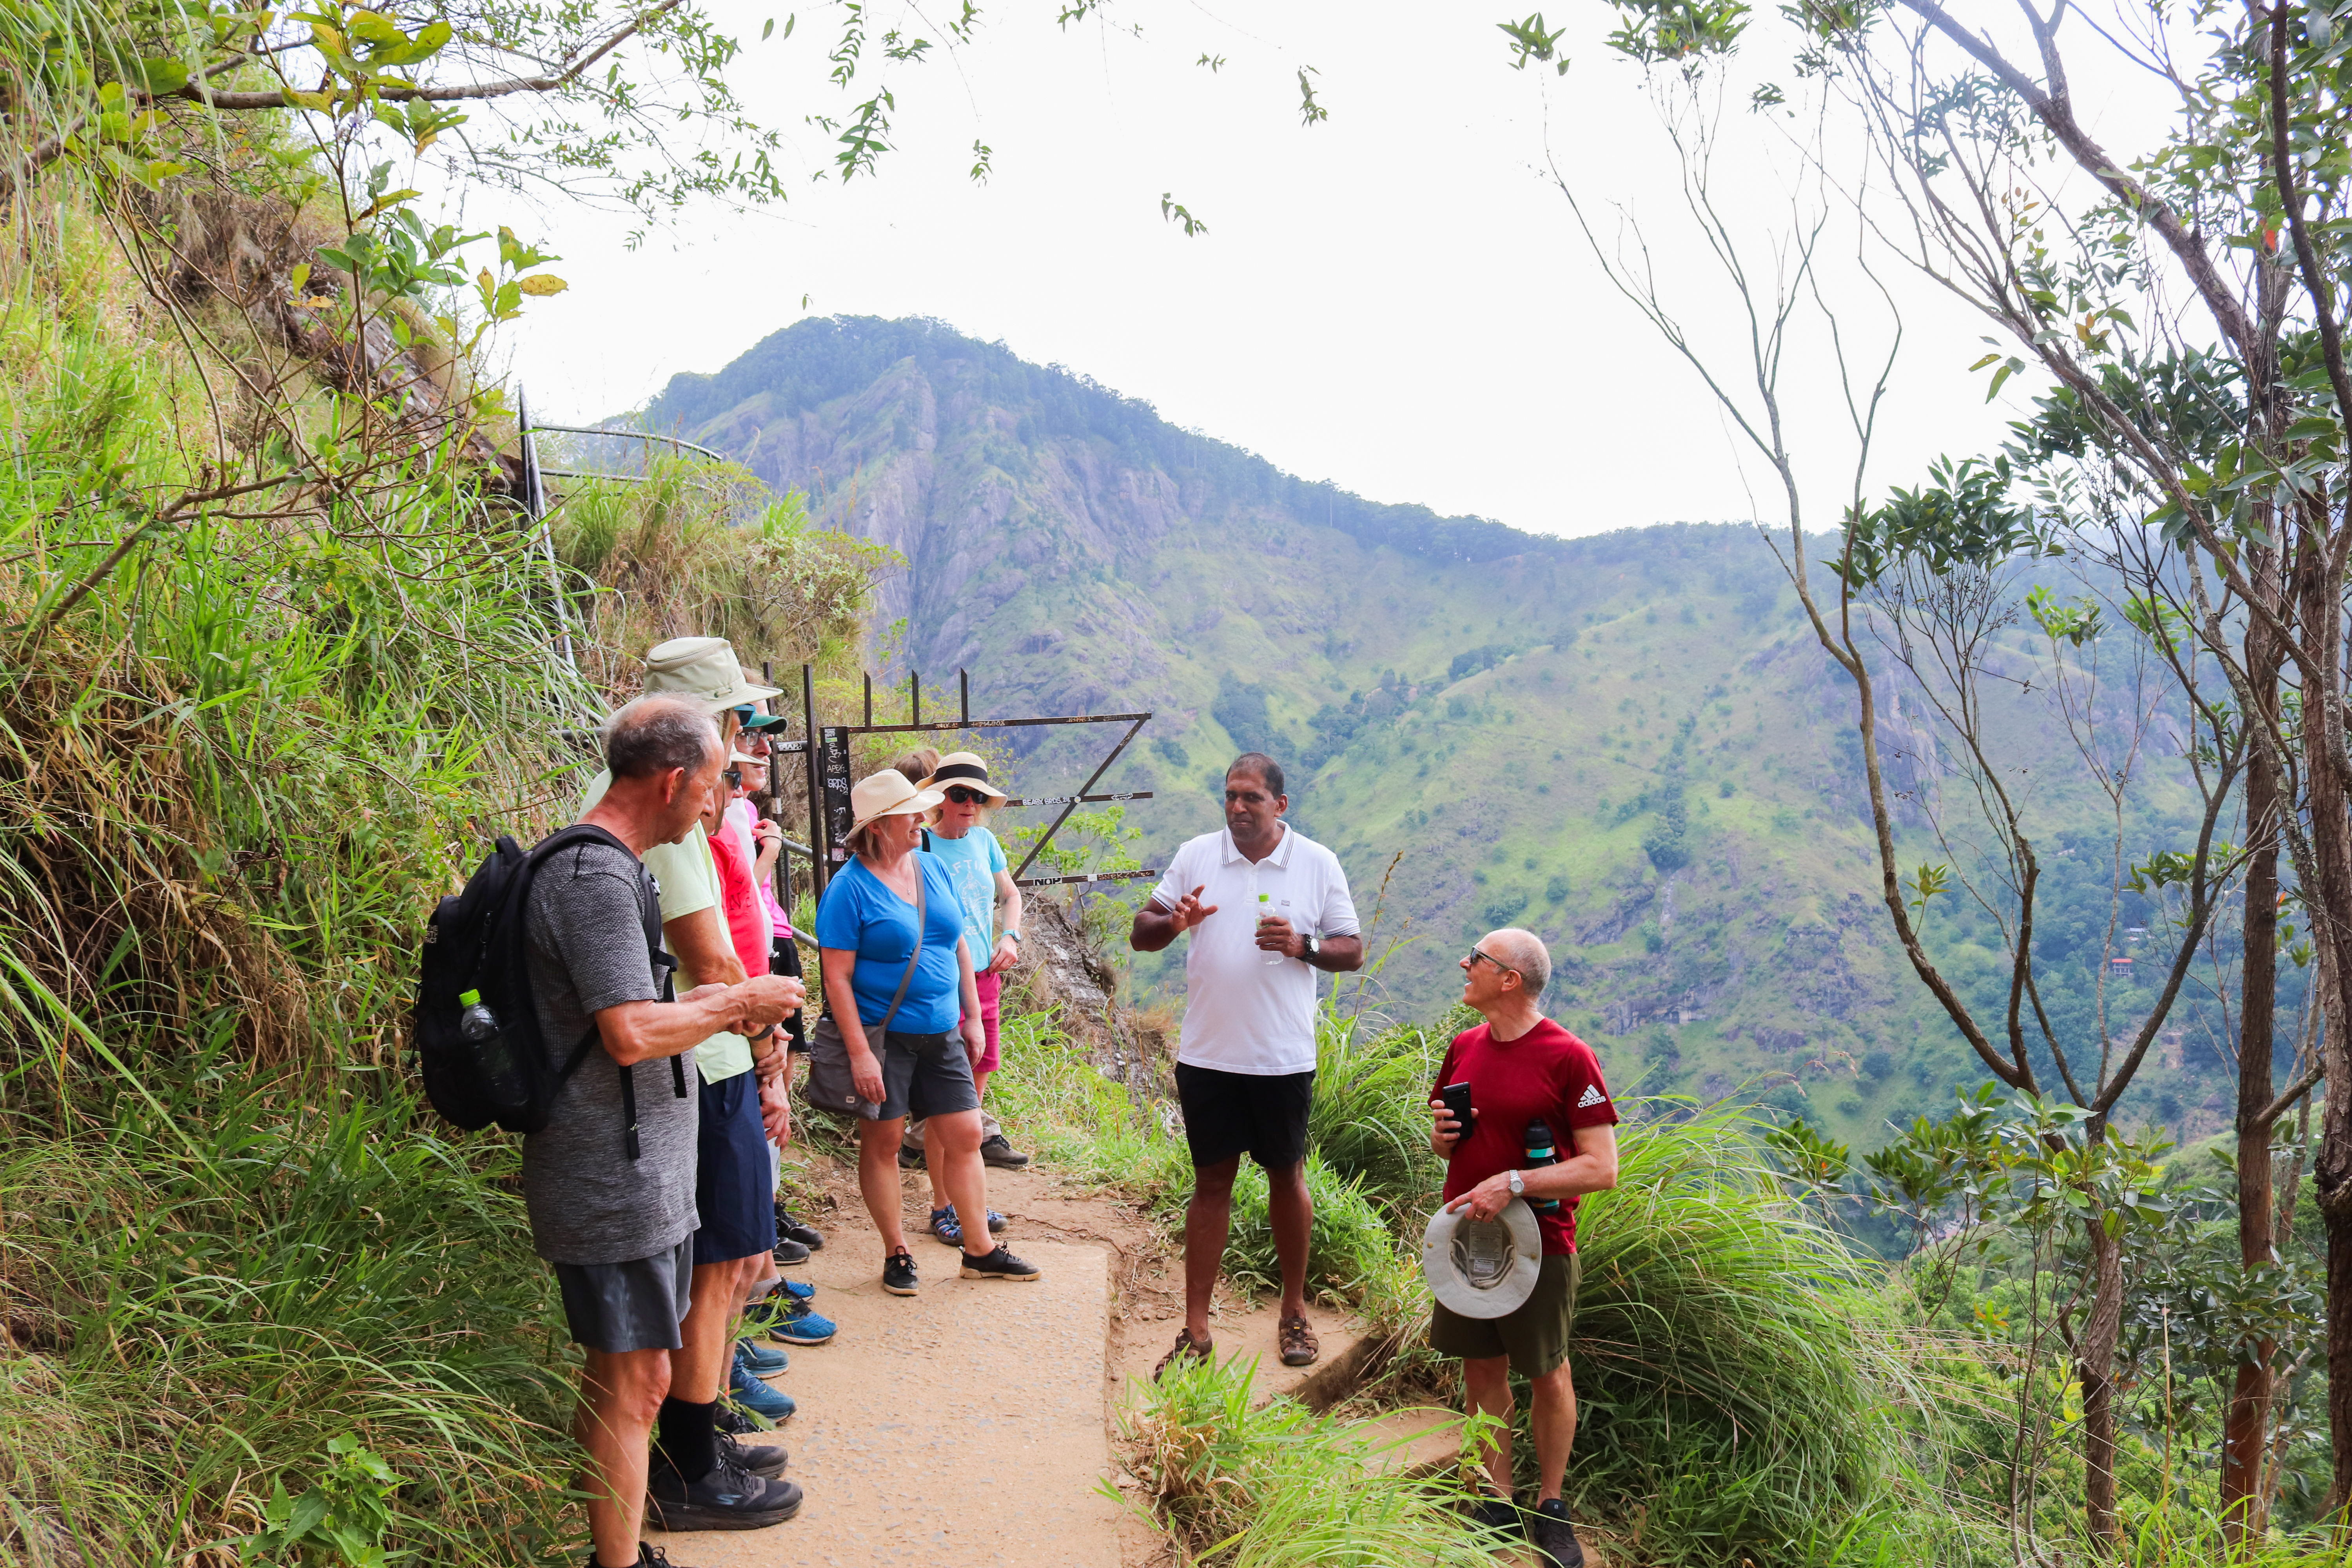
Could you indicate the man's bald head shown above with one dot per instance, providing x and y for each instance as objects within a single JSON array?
[{"x": 1523, "y": 950}]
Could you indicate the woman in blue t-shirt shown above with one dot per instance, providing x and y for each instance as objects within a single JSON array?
[{"x": 894, "y": 1008}]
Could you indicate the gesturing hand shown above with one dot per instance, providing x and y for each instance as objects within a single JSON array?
[{"x": 1189, "y": 911}]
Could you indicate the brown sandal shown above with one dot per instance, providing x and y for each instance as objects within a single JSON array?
[
  {"x": 1187, "y": 1348},
  {"x": 1299, "y": 1346}
]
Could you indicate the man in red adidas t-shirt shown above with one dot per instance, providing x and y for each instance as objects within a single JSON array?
[{"x": 1522, "y": 1067}]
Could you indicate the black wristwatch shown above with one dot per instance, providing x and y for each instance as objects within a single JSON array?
[{"x": 1314, "y": 945}]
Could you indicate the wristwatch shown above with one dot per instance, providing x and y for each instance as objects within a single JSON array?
[
  {"x": 1519, "y": 1186},
  {"x": 1312, "y": 944}
]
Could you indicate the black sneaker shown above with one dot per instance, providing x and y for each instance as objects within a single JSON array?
[
  {"x": 759, "y": 1458},
  {"x": 998, "y": 1265},
  {"x": 790, "y": 1229},
  {"x": 734, "y": 1421},
  {"x": 1553, "y": 1535},
  {"x": 728, "y": 1497},
  {"x": 648, "y": 1556},
  {"x": 1494, "y": 1515},
  {"x": 910, "y": 1159},
  {"x": 790, "y": 1254},
  {"x": 996, "y": 1150},
  {"x": 899, "y": 1273}
]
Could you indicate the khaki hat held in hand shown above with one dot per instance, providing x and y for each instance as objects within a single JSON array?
[{"x": 1483, "y": 1268}]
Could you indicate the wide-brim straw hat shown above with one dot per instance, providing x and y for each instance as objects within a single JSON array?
[
  {"x": 964, "y": 768},
  {"x": 888, "y": 794},
  {"x": 703, "y": 668},
  {"x": 1483, "y": 1268}
]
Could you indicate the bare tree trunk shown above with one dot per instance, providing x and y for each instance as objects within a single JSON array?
[
  {"x": 2096, "y": 1365},
  {"x": 2331, "y": 922},
  {"x": 2245, "y": 1424}
]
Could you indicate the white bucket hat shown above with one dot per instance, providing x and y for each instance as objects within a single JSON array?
[
  {"x": 703, "y": 668},
  {"x": 889, "y": 793},
  {"x": 965, "y": 768},
  {"x": 1483, "y": 1268}
]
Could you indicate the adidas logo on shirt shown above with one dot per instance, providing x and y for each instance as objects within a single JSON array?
[{"x": 1593, "y": 1096}]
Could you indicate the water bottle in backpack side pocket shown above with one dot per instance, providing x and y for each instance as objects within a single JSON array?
[
  {"x": 480, "y": 1026},
  {"x": 1540, "y": 1153}
]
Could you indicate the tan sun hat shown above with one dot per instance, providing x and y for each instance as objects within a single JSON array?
[
  {"x": 888, "y": 794},
  {"x": 1483, "y": 1268},
  {"x": 964, "y": 768},
  {"x": 703, "y": 668}
]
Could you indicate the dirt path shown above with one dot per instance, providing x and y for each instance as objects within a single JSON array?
[{"x": 974, "y": 1422}]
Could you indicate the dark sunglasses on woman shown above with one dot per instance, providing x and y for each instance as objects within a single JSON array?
[{"x": 963, "y": 797}]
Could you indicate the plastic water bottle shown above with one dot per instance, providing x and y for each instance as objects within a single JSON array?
[
  {"x": 1541, "y": 1153},
  {"x": 1264, "y": 912},
  {"x": 478, "y": 1025}
]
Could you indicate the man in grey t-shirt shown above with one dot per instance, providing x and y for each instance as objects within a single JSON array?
[{"x": 609, "y": 1181}]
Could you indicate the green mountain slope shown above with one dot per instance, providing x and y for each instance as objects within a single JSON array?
[{"x": 1628, "y": 743}]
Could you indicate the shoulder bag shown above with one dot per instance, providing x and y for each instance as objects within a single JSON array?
[{"x": 829, "y": 1085}]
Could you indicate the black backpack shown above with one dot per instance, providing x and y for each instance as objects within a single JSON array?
[{"x": 475, "y": 943}]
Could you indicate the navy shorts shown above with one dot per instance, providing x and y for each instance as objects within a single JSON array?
[{"x": 734, "y": 1180}]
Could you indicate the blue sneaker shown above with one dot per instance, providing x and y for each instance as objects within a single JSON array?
[
  {"x": 765, "y": 1360},
  {"x": 950, "y": 1229},
  {"x": 745, "y": 1389},
  {"x": 799, "y": 1290},
  {"x": 804, "y": 1326}
]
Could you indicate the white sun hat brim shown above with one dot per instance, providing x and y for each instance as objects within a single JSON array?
[{"x": 1505, "y": 1294}]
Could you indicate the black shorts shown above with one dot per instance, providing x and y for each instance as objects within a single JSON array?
[
  {"x": 734, "y": 1179},
  {"x": 1229, "y": 1114},
  {"x": 634, "y": 1306}
]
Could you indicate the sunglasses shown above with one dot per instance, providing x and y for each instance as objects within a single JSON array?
[
  {"x": 734, "y": 777},
  {"x": 963, "y": 797},
  {"x": 1477, "y": 953}
]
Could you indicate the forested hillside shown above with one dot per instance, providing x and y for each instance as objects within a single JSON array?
[{"x": 1629, "y": 743}]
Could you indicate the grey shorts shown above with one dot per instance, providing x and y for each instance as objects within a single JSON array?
[
  {"x": 925, "y": 1075},
  {"x": 633, "y": 1306}
]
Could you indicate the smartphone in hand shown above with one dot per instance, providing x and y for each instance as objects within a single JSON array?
[{"x": 1456, "y": 1097}]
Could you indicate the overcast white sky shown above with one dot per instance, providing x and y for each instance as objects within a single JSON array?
[{"x": 1396, "y": 300}]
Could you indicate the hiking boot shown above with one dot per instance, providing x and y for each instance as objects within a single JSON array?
[
  {"x": 1553, "y": 1535},
  {"x": 764, "y": 1361},
  {"x": 728, "y": 1497},
  {"x": 759, "y": 1458},
  {"x": 801, "y": 1325},
  {"x": 998, "y": 1265},
  {"x": 1299, "y": 1345},
  {"x": 790, "y": 1254},
  {"x": 899, "y": 1273},
  {"x": 791, "y": 1229},
  {"x": 744, "y": 1387},
  {"x": 1187, "y": 1349},
  {"x": 1494, "y": 1515},
  {"x": 994, "y": 1150},
  {"x": 909, "y": 1158}
]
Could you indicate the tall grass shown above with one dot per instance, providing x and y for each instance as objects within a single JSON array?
[
  {"x": 1242, "y": 1484},
  {"x": 209, "y": 1287},
  {"x": 1739, "y": 1386}
]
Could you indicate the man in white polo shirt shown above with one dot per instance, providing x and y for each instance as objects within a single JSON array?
[{"x": 1267, "y": 907}]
